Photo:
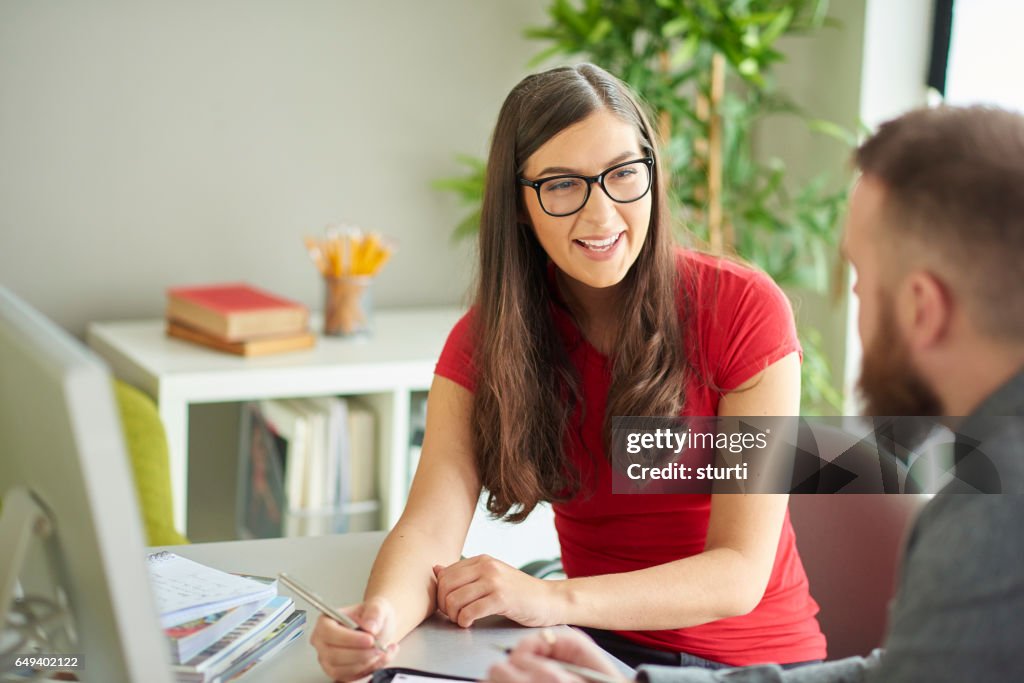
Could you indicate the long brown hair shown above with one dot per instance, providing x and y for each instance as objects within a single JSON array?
[{"x": 527, "y": 387}]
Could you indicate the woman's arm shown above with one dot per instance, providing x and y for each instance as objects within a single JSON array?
[
  {"x": 727, "y": 579},
  {"x": 401, "y": 591},
  {"x": 433, "y": 526}
]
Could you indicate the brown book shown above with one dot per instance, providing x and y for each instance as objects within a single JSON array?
[
  {"x": 251, "y": 347},
  {"x": 236, "y": 311}
]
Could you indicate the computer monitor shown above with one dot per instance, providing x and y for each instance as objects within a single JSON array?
[{"x": 62, "y": 452}]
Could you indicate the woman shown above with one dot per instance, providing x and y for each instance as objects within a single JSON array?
[{"x": 585, "y": 310}]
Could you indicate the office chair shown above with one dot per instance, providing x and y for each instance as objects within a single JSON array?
[
  {"x": 146, "y": 443},
  {"x": 851, "y": 546},
  {"x": 544, "y": 569}
]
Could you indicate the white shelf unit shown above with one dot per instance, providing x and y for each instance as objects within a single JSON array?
[{"x": 383, "y": 369}]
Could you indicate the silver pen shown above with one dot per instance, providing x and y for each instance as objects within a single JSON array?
[{"x": 318, "y": 602}]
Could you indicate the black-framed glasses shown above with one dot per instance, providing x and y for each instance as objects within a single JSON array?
[{"x": 564, "y": 195}]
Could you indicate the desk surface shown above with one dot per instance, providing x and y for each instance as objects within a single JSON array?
[{"x": 337, "y": 567}]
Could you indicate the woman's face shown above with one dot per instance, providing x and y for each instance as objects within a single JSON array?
[{"x": 597, "y": 245}]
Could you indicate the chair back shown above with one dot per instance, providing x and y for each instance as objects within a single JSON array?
[
  {"x": 851, "y": 546},
  {"x": 146, "y": 443}
]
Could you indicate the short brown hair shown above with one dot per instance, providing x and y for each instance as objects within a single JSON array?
[{"x": 954, "y": 178}]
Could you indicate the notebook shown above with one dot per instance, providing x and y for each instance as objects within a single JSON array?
[{"x": 187, "y": 590}]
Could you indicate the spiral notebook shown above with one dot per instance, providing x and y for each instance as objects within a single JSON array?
[{"x": 187, "y": 590}]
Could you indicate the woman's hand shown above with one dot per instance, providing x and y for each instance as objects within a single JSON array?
[
  {"x": 481, "y": 586},
  {"x": 531, "y": 659},
  {"x": 345, "y": 654}
]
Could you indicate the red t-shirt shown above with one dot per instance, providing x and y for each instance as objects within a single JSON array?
[{"x": 740, "y": 323}]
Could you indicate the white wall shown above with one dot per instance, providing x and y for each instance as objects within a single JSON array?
[
  {"x": 897, "y": 44},
  {"x": 985, "y": 54},
  {"x": 515, "y": 544},
  {"x": 150, "y": 144}
]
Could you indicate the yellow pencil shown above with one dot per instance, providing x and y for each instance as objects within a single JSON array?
[{"x": 352, "y": 252}]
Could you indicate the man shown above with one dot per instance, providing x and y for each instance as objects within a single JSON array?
[{"x": 935, "y": 233}]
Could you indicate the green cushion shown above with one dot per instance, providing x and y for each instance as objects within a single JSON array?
[{"x": 147, "y": 449}]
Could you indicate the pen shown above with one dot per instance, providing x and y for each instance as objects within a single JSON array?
[
  {"x": 316, "y": 601},
  {"x": 581, "y": 671}
]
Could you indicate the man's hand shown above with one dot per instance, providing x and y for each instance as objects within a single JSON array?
[{"x": 532, "y": 659}]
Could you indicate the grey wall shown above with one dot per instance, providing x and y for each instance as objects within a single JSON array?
[{"x": 149, "y": 144}]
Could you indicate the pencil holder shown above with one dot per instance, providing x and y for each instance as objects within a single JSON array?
[{"x": 347, "y": 305}]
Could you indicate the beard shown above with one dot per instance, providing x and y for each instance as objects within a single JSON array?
[{"x": 890, "y": 384}]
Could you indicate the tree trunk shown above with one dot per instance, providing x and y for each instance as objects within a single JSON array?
[
  {"x": 664, "y": 118},
  {"x": 719, "y": 241}
]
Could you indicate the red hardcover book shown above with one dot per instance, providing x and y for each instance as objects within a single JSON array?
[{"x": 236, "y": 311}]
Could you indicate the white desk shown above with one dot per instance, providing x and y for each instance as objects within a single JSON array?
[
  {"x": 338, "y": 567},
  {"x": 396, "y": 360}
]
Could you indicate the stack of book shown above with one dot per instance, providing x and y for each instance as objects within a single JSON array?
[
  {"x": 219, "y": 625},
  {"x": 307, "y": 467},
  {"x": 237, "y": 318}
]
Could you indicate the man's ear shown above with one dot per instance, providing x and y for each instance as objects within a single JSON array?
[{"x": 926, "y": 309}]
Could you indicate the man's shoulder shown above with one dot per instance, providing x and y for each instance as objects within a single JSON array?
[
  {"x": 990, "y": 454},
  {"x": 981, "y": 526},
  {"x": 962, "y": 590}
]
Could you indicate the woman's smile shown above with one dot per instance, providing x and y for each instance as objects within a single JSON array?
[{"x": 600, "y": 248}]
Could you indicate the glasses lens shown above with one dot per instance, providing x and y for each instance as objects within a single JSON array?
[
  {"x": 628, "y": 183},
  {"x": 563, "y": 195}
]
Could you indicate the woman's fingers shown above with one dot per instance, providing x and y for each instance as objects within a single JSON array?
[
  {"x": 483, "y": 606},
  {"x": 475, "y": 588},
  {"x": 342, "y": 665},
  {"x": 481, "y": 586},
  {"x": 457, "y": 602},
  {"x": 455, "y": 576},
  {"x": 332, "y": 634},
  {"x": 373, "y": 617},
  {"x": 346, "y": 654},
  {"x": 440, "y": 590}
]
